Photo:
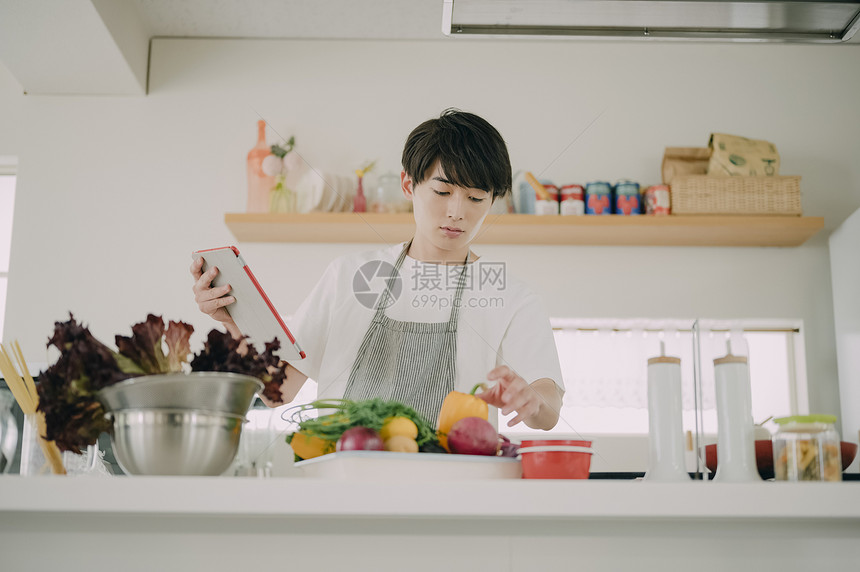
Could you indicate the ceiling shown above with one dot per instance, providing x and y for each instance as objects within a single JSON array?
[
  {"x": 330, "y": 19},
  {"x": 66, "y": 47},
  {"x": 102, "y": 46}
]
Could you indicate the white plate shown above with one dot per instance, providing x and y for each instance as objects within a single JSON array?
[{"x": 385, "y": 465}]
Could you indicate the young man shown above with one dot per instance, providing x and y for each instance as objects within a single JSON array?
[{"x": 446, "y": 320}]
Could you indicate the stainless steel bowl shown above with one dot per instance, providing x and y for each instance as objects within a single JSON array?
[
  {"x": 175, "y": 441},
  {"x": 207, "y": 391},
  {"x": 178, "y": 424}
]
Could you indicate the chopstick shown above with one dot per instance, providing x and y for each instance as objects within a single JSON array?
[
  {"x": 537, "y": 186},
  {"x": 24, "y": 390},
  {"x": 16, "y": 384},
  {"x": 22, "y": 363}
]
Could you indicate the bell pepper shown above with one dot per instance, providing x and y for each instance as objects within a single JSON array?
[
  {"x": 310, "y": 446},
  {"x": 456, "y": 406}
]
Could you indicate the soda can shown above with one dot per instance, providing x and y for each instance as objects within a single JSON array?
[
  {"x": 547, "y": 207},
  {"x": 572, "y": 200},
  {"x": 598, "y": 198},
  {"x": 657, "y": 200},
  {"x": 626, "y": 200}
]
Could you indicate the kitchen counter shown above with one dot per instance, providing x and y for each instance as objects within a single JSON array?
[{"x": 225, "y": 523}]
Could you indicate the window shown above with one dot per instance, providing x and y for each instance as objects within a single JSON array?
[
  {"x": 7, "y": 201},
  {"x": 604, "y": 369},
  {"x": 604, "y": 366}
]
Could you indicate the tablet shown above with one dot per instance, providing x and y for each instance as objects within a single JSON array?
[{"x": 253, "y": 312}]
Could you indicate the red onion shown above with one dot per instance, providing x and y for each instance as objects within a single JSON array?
[
  {"x": 360, "y": 439},
  {"x": 473, "y": 436}
]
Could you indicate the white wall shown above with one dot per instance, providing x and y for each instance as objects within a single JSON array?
[
  {"x": 844, "y": 257},
  {"x": 115, "y": 192}
]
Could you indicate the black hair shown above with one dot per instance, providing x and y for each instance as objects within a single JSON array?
[{"x": 471, "y": 152}]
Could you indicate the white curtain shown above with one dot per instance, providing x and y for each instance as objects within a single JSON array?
[{"x": 605, "y": 362}]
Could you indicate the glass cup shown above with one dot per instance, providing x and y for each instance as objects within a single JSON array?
[
  {"x": 256, "y": 444},
  {"x": 33, "y": 461}
]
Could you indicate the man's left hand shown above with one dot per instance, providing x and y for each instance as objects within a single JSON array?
[{"x": 511, "y": 393}]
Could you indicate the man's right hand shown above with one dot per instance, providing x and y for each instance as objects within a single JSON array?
[{"x": 211, "y": 301}]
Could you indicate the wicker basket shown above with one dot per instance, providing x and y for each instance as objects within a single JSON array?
[{"x": 703, "y": 194}]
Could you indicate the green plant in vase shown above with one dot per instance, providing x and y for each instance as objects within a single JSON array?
[{"x": 282, "y": 199}]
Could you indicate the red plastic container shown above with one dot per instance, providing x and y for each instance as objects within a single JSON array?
[{"x": 555, "y": 459}]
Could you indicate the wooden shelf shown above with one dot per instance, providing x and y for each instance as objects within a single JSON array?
[{"x": 610, "y": 230}]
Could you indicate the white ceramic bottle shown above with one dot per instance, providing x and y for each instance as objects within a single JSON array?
[
  {"x": 735, "y": 429},
  {"x": 665, "y": 425}
]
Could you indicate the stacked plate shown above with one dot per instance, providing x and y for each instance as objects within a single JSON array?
[{"x": 325, "y": 192}]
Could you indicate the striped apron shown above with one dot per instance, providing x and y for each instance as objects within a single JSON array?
[{"x": 410, "y": 362}]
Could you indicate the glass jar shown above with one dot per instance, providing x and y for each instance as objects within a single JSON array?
[
  {"x": 806, "y": 448},
  {"x": 386, "y": 197},
  {"x": 8, "y": 431}
]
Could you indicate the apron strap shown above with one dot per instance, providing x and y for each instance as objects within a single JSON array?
[
  {"x": 458, "y": 295},
  {"x": 389, "y": 283}
]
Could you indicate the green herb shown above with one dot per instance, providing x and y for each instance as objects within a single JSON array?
[
  {"x": 370, "y": 413},
  {"x": 280, "y": 150}
]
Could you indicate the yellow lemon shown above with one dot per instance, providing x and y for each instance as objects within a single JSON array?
[
  {"x": 401, "y": 444},
  {"x": 398, "y": 426}
]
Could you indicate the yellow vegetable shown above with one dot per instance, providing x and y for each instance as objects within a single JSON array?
[
  {"x": 456, "y": 406},
  {"x": 310, "y": 446},
  {"x": 400, "y": 426},
  {"x": 401, "y": 444}
]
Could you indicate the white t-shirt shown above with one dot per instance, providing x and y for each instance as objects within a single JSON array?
[{"x": 501, "y": 322}]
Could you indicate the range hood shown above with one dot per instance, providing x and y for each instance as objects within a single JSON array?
[{"x": 811, "y": 21}]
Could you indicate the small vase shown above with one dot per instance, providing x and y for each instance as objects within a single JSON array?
[
  {"x": 282, "y": 199},
  {"x": 359, "y": 203}
]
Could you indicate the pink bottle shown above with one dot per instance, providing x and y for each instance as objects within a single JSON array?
[
  {"x": 259, "y": 184},
  {"x": 359, "y": 204}
]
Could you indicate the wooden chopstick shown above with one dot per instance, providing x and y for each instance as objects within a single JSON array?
[
  {"x": 537, "y": 186},
  {"x": 15, "y": 383},
  {"x": 52, "y": 452},
  {"x": 49, "y": 448},
  {"x": 22, "y": 363}
]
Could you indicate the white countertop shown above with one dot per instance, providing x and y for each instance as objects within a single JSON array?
[
  {"x": 531, "y": 499},
  {"x": 220, "y": 523}
]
